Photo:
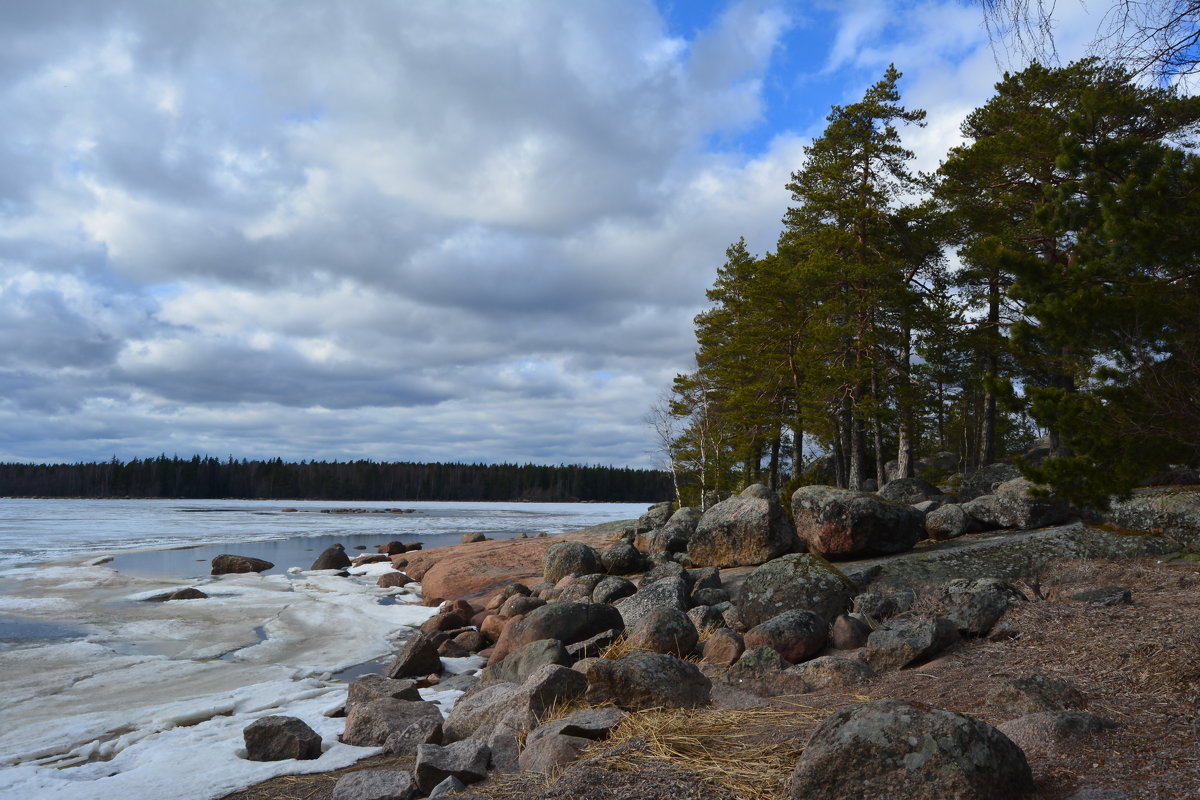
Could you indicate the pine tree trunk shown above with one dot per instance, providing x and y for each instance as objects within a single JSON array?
[
  {"x": 987, "y": 422},
  {"x": 773, "y": 473},
  {"x": 904, "y": 443},
  {"x": 797, "y": 446},
  {"x": 877, "y": 431}
]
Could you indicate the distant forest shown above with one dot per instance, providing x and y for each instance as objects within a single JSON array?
[{"x": 207, "y": 477}]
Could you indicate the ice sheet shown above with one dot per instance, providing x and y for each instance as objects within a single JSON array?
[{"x": 153, "y": 702}]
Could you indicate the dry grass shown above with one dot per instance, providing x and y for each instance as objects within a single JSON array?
[{"x": 748, "y": 753}]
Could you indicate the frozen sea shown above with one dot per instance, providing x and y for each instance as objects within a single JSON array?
[{"x": 109, "y": 694}]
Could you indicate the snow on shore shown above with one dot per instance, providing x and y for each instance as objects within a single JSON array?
[{"x": 153, "y": 700}]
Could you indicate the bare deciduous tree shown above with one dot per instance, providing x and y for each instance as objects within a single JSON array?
[{"x": 1160, "y": 38}]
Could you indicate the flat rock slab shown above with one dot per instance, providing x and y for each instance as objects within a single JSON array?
[{"x": 376, "y": 784}]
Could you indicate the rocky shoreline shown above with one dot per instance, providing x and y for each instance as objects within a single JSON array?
[{"x": 589, "y": 634}]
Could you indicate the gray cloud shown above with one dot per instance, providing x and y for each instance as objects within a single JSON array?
[{"x": 395, "y": 230}]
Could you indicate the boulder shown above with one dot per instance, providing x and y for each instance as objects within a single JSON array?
[
  {"x": 908, "y": 641},
  {"x": 795, "y": 635},
  {"x": 279, "y": 738},
  {"x": 472, "y": 538},
  {"x": 746, "y": 530},
  {"x": 844, "y": 524},
  {"x": 466, "y": 760},
  {"x": 226, "y": 564},
  {"x": 849, "y": 632},
  {"x": 1018, "y": 507},
  {"x": 558, "y": 743},
  {"x": 666, "y": 593},
  {"x": 656, "y": 516},
  {"x": 708, "y": 597},
  {"x": 948, "y": 522},
  {"x": 520, "y": 604},
  {"x": 376, "y": 784},
  {"x": 672, "y": 536},
  {"x": 974, "y": 606},
  {"x": 377, "y": 558},
  {"x": 800, "y": 581},
  {"x": 1036, "y": 693},
  {"x": 451, "y": 785},
  {"x": 550, "y": 753},
  {"x": 376, "y": 687},
  {"x": 664, "y": 630},
  {"x": 909, "y": 491},
  {"x": 664, "y": 570},
  {"x": 724, "y": 647},
  {"x": 1041, "y": 732},
  {"x": 621, "y": 558},
  {"x": 510, "y": 707},
  {"x": 391, "y": 580},
  {"x": 903, "y": 751},
  {"x": 442, "y": 621},
  {"x": 526, "y": 660},
  {"x": 405, "y": 741},
  {"x": 579, "y": 590},
  {"x": 332, "y": 557},
  {"x": 612, "y": 589},
  {"x": 762, "y": 671},
  {"x": 370, "y": 724},
  {"x": 188, "y": 594},
  {"x": 985, "y": 480},
  {"x": 706, "y": 617},
  {"x": 417, "y": 657},
  {"x": 566, "y": 622},
  {"x": 391, "y": 548},
  {"x": 647, "y": 680},
  {"x": 570, "y": 558},
  {"x": 1173, "y": 511},
  {"x": 832, "y": 672}
]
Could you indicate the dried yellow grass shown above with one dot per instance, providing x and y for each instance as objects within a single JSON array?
[{"x": 749, "y": 753}]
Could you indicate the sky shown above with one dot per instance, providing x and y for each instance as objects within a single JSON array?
[{"x": 412, "y": 230}]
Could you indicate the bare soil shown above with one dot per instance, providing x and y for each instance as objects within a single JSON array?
[{"x": 1136, "y": 664}]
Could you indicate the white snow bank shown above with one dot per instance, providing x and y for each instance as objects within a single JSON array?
[{"x": 153, "y": 702}]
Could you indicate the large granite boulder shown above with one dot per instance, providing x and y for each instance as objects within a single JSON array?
[
  {"x": 279, "y": 738},
  {"x": 656, "y": 516},
  {"x": 226, "y": 564},
  {"x": 908, "y": 641},
  {"x": 1014, "y": 505},
  {"x": 1175, "y": 512},
  {"x": 948, "y": 521},
  {"x": 843, "y": 524},
  {"x": 902, "y": 751},
  {"x": 665, "y": 630},
  {"x": 985, "y": 480},
  {"x": 417, "y": 657},
  {"x": 526, "y": 660},
  {"x": 497, "y": 714},
  {"x": 974, "y": 606},
  {"x": 612, "y": 589},
  {"x": 570, "y": 558},
  {"x": 909, "y": 491},
  {"x": 566, "y": 622},
  {"x": 674, "y": 535},
  {"x": 370, "y": 724},
  {"x": 742, "y": 531},
  {"x": 376, "y": 687},
  {"x": 621, "y": 558},
  {"x": 646, "y": 680},
  {"x": 833, "y": 672},
  {"x": 799, "y": 581},
  {"x": 764, "y": 672},
  {"x": 332, "y": 557},
  {"x": 466, "y": 760},
  {"x": 666, "y": 593},
  {"x": 795, "y": 635}
]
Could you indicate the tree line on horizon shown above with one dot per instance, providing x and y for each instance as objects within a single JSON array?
[
  {"x": 1071, "y": 304},
  {"x": 275, "y": 479}
]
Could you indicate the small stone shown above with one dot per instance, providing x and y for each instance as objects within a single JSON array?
[
  {"x": 188, "y": 594},
  {"x": 724, "y": 647},
  {"x": 472, "y": 538},
  {"x": 1104, "y": 596},
  {"x": 392, "y": 580}
]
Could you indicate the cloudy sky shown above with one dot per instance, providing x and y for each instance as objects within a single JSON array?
[{"x": 405, "y": 230}]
